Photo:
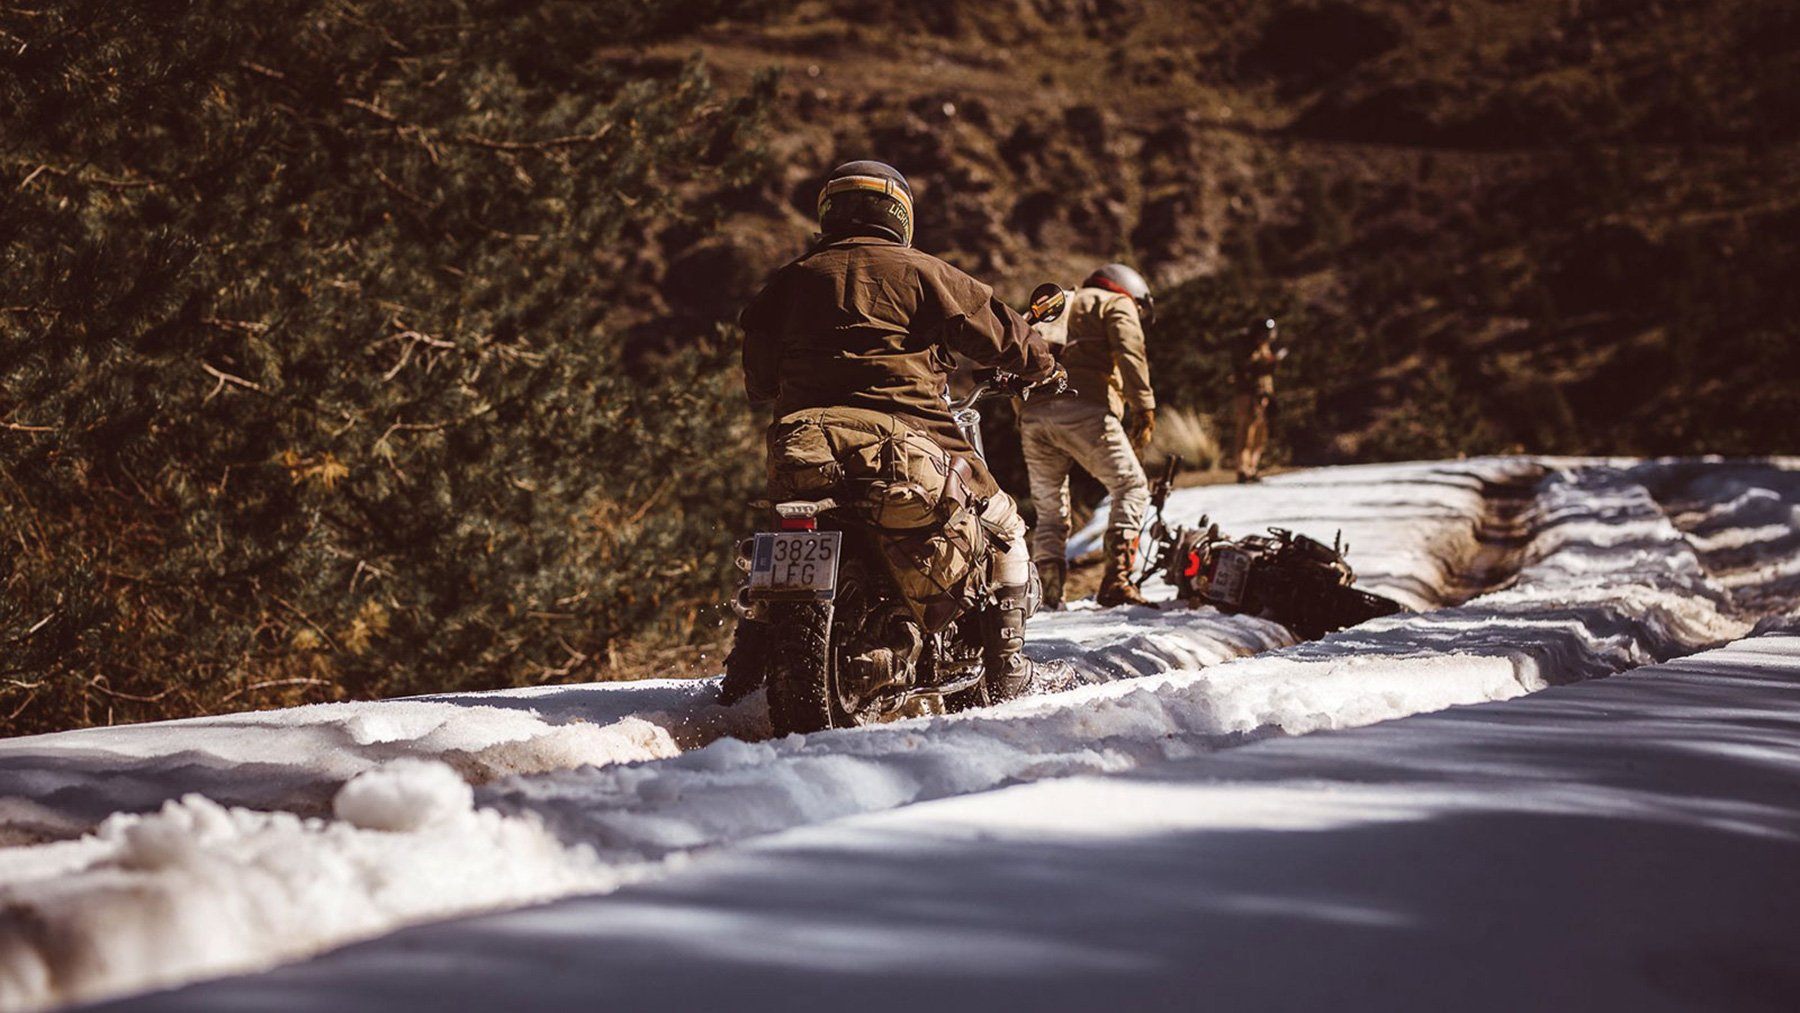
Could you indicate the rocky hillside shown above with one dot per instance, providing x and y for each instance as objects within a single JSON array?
[{"x": 1558, "y": 226}]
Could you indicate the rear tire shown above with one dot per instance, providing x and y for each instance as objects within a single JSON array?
[
  {"x": 746, "y": 665},
  {"x": 799, "y": 667}
]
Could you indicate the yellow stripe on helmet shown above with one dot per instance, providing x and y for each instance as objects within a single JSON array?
[{"x": 878, "y": 184}]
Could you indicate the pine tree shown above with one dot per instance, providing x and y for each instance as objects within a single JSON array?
[{"x": 308, "y": 382}]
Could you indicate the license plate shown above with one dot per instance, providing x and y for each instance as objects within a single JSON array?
[
  {"x": 795, "y": 564},
  {"x": 1229, "y": 574}
]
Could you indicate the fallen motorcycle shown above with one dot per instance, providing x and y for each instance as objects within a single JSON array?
[{"x": 1290, "y": 578}]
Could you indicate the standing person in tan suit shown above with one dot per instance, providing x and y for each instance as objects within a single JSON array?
[
  {"x": 1102, "y": 424},
  {"x": 1255, "y": 394}
]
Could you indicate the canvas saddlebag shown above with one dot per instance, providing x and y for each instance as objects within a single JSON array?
[{"x": 912, "y": 491}]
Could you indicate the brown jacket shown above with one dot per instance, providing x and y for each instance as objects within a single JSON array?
[
  {"x": 1105, "y": 351},
  {"x": 863, "y": 322}
]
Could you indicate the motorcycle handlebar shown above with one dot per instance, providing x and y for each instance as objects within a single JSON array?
[{"x": 999, "y": 383}]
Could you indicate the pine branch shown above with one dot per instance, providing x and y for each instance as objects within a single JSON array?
[
  {"x": 225, "y": 378},
  {"x": 554, "y": 142},
  {"x": 90, "y": 179}
]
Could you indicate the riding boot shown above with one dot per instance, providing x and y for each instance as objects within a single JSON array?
[
  {"x": 1116, "y": 587},
  {"x": 1003, "y": 630},
  {"x": 1053, "y": 573}
]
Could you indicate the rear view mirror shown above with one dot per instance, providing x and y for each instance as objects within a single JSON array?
[{"x": 1047, "y": 303}]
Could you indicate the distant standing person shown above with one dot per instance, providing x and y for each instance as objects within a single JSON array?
[
  {"x": 1101, "y": 424},
  {"x": 1256, "y": 392}
]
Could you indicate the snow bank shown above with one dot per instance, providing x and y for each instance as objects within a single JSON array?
[
  {"x": 1606, "y": 583},
  {"x": 1743, "y": 519},
  {"x": 199, "y": 889},
  {"x": 62, "y": 785}
]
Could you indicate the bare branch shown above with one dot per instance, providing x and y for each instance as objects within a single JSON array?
[
  {"x": 267, "y": 72},
  {"x": 410, "y": 427},
  {"x": 402, "y": 191},
  {"x": 576, "y": 660},
  {"x": 364, "y": 566},
  {"x": 638, "y": 514},
  {"x": 270, "y": 684},
  {"x": 20, "y": 709},
  {"x": 545, "y": 145},
  {"x": 372, "y": 109},
  {"x": 412, "y": 339},
  {"x": 295, "y": 609},
  {"x": 225, "y": 378},
  {"x": 99, "y": 683},
  {"x": 91, "y": 179},
  {"x": 247, "y": 326}
]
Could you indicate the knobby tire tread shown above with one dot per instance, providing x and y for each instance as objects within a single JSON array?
[{"x": 799, "y": 669}]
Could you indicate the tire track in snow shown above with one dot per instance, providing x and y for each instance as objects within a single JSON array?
[
  {"x": 1508, "y": 518},
  {"x": 1743, "y": 520}
]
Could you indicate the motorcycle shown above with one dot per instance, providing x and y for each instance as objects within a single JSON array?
[
  {"x": 822, "y": 622},
  {"x": 1297, "y": 581}
]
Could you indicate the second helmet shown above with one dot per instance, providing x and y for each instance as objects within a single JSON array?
[{"x": 1125, "y": 281}]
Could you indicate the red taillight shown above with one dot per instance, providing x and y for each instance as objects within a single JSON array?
[
  {"x": 1193, "y": 565},
  {"x": 799, "y": 524}
]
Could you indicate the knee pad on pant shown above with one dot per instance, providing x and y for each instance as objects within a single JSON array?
[{"x": 1013, "y": 566}]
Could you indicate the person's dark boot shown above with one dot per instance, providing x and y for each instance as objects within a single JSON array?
[
  {"x": 1052, "y": 573},
  {"x": 1116, "y": 587},
  {"x": 1003, "y": 632}
]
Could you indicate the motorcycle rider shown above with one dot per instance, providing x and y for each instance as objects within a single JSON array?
[
  {"x": 1102, "y": 424},
  {"x": 864, "y": 320}
]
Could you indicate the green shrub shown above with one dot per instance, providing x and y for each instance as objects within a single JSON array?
[{"x": 308, "y": 369}]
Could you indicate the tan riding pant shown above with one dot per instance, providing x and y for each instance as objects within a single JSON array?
[{"x": 1066, "y": 431}]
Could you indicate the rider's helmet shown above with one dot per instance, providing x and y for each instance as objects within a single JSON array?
[
  {"x": 866, "y": 195},
  {"x": 1258, "y": 331},
  {"x": 1125, "y": 281}
]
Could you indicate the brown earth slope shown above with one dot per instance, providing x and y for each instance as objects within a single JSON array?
[{"x": 1554, "y": 226}]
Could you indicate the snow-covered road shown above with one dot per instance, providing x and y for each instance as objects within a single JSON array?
[
  {"x": 1622, "y": 844},
  {"x": 589, "y": 789}
]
